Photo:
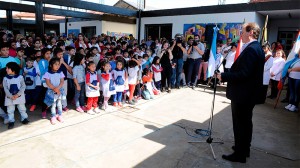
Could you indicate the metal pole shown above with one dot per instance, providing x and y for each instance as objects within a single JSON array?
[
  {"x": 139, "y": 28},
  {"x": 66, "y": 25}
]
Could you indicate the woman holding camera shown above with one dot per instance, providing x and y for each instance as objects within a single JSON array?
[
  {"x": 166, "y": 57},
  {"x": 195, "y": 53}
]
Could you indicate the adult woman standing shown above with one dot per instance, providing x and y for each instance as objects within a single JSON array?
[
  {"x": 166, "y": 57},
  {"x": 80, "y": 42},
  {"x": 294, "y": 83}
]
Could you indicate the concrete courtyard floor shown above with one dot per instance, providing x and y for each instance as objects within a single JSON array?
[{"x": 155, "y": 134}]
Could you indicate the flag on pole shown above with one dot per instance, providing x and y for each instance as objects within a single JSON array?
[
  {"x": 264, "y": 32},
  {"x": 213, "y": 54},
  {"x": 295, "y": 48},
  {"x": 293, "y": 56},
  {"x": 240, "y": 45},
  {"x": 238, "y": 49}
]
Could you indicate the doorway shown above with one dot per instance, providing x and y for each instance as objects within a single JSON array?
[
  {"x": 158, "y": 31},
  {"x": 89, "y": 31},
  {"x": 286, "y": 38}
]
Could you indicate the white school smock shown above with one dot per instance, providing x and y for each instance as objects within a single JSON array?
[
  {"x": 105, "y": 85},
  {"x": 38, "y": 81},
  {"x": 29, "y": 78},
  {"x": 92, "y": 78},
  {"x": 267, "y": 67},
  {"x": 116, "y": 73},
  {"x": 277, "y": 67},
  {"x": 132, "y": 75},
  {"x": 230, "y": 59},
  {"x": 157, "y": 75},
  {"x": 14, "y": 85}
]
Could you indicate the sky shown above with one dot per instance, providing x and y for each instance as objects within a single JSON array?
[
  {"x": 153, "y": 4},
  {"x": 169, "y": 4}
]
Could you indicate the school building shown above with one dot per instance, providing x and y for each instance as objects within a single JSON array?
[{"x": 123, "y": 19}]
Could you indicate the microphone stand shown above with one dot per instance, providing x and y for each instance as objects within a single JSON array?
[
  {"x": 217, "y": 69},
  {"x": 210, "y": 128}
]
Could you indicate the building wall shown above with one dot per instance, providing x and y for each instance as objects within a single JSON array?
[
  {"x": 101, "y": 26},
  {"x": 118, "y": 27},
  {"x": 78, "y": 25},
  {"x": 276, "y": 25},
  {"x": 179, "y": 21}
]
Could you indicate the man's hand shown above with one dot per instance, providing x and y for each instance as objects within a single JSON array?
[
  {"x": 218, "y": 75},
  {"x": 78, "y": 87},
  {"x": 289, "y": 70}
]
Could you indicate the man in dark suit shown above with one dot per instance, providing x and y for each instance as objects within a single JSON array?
[{"x": 245, "y": 82}]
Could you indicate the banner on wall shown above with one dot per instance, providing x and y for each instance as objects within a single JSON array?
[
  {"x": 232, "y": 30},
  {"x": 117, "y": 34}
]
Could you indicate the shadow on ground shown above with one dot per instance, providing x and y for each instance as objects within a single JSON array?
[{"x": 276, "y": 141}]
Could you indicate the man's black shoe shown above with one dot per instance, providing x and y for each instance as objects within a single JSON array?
[
  {"x": 234, "y": 158},
  {"x": 25, "y": 121},
  {"x": 247, "y": 154},
  {"x": 11, "y": 125}
]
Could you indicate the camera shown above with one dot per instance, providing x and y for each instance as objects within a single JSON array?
[
  {"x": 178, "y": 40},
  {"x": 195, "y": 43}
]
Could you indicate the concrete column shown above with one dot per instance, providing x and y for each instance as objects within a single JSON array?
[
  {"x": 39, "y": 21},
  {"x": 9, "y": 19}
]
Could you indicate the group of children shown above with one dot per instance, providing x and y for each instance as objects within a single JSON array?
[{"x": 45, "y": 77}]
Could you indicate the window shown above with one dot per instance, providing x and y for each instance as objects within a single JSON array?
[{"x": 158, "y": 31}]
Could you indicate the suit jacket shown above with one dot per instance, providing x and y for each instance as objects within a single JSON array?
[{"x": 245, "y": 79}]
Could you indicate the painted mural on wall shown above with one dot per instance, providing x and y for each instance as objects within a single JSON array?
[
  {"x": 117, "y": 34},
  {"x": 75, "y": 32},
  {"x": 232, "y": 30}
]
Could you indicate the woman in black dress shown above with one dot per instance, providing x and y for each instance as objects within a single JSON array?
[{"x": 166, "y": 57}]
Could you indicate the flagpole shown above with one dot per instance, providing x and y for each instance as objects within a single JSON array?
[
  {"x": 264, "y": 33},
  {"x": 210, "y": 127}
]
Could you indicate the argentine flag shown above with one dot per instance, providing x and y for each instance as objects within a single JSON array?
[
  {"x": 291, "y": 58},
  {"x": 213, "y": 54}
]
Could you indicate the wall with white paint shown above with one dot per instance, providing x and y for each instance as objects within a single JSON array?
[
  {"x": 79, "y": 25},
  {"x": 118, "y": 27},
  {"x": 179, "y": 21}
]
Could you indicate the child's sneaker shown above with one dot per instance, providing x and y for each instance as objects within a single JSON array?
[
  {"x": 6, "y": 121},
  {"x": 79, "y": 109},
  {"x": 91, "y": 112},
  {"x": 25, "y": 121},
  {"x": 65, "y": 109},
  {"x": 32, "y": 108},
  {"x": 60, "y": 119},
  {"x": 83, "y": 108},
  {"x": 131, "y": 102},
  {"x": 120, "y": 104},
  {"x": 115, "y": 104},
  {"x": 288, "y": 106},
  {"x": 293, "y": 108},
  {"x": 97, "y": 110},
  {"x": 44, "y": 114},
  {"x": 10, "y": 125},
  {"x": 53, "y": 120}
]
